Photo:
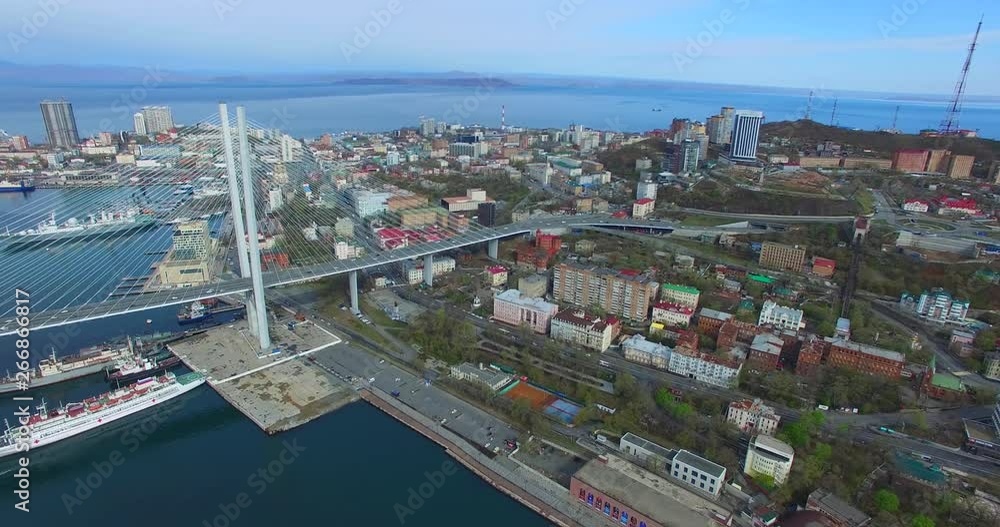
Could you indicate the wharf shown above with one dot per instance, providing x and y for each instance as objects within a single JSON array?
[{"x": 277, "y": 391}]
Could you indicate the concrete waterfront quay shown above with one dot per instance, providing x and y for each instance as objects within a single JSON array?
[{"x": 277, "y": 391}]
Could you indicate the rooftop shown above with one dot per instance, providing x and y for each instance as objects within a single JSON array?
[
  {"x": 579, "y": 317},
  {"x": 767, "y": 343},
  {"x": 682, "y": 288},
  {"x": 645, "y": 444},
  {"x": 700, "y": 463},
  {"x": 867, "y": 349},
  {"x": 831, "y": 504},
  {"x": 713, "y": 314},
  {"x": 640, "y": 343},
  {"x": 644, "y": 201},
  {"x": 948, "y": 382},
  {"x": 515, "y": 296},
  {"x": 649, "y": 494},
  {"x": 675, "y": 307},
  {"x": 770, "y": 443}
]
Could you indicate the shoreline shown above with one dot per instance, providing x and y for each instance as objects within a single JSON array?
[{"x": 455, "y": 451}]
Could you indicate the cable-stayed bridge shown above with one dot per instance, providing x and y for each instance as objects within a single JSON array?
[{"x": 172, "y": 227}]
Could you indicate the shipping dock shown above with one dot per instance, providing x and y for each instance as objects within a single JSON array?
[{"x": 278, "y": 390}]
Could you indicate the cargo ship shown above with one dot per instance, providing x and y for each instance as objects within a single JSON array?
[
  {"x": 95, "y": 226},
  {"x": 59, "y": 369},
  {"x": 46, "y": 427},
  {"x": 135, "y": 368},
  {"x": 23, "y": 185},
  {"x": 196, "y": 312}
]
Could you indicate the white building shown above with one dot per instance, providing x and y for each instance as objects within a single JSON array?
[
  {"x": 672, "y": 314},
  {"x": 156, "y": 119},
  {"x": 939, "y": 306},
  {"x": 576, "y": 326},
  {"x": 916, "y": 205},
  {"x": 345, "y": 251},
  {"x": 769, "y": 457},
  {"x": 275, "y": 199},
  {"x": 680, "y": 294},
  {"x": 645, "y": 189},
  {"x": 706, "y": 368},
  {"x": 368, "y": 203},
  {"x": 494, "y": 379},
  {"x": 746, "y": 130},
  {"x": 753, "y": 416},
  {"x": 698, "y": 472},
  {"x": 781, "y": 317},
  {"x": 540, "y": 172},
  {"x": 639, "y": 350},
  {"x": 414, "y": 270},
  {"x": 139, "y": 122}
]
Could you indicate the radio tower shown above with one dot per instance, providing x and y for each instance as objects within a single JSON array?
[
  {"x": 809, "y": 106},
  {"x": 503, "y": 117},
  {"x": 833, "y": 114},
  {"x": 949, "y": 125}
]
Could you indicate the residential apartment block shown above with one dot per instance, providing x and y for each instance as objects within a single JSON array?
[
  {"x": 672, "y": 314},
  {"x": 621, "y": 294},
  {"x": 782, "y": 257},
  {"x": 587, "y": 330}
]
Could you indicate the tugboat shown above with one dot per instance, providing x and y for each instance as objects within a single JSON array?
[{"x": 141, "y": 367}]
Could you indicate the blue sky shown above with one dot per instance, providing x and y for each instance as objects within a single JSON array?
[{"x": 914, "y": 46}]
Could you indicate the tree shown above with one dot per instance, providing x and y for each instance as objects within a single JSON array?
[
  {"x": 796, "y": 435},
  {"x": 887, "y": 501},
  {"x": 626, "y": 386},
  {"x": 921, "y": 521}
]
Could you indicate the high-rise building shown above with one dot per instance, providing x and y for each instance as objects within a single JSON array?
[
  {"x": 937, "y": 160},
  {"x": 960, "y": 167},
  {"x": 714, "y": 128},
  {"x": 60, "y": 124},
  {"x": 139, "y": 123},
  {"x": 728, "y": 121},
  {"x": 687, "y": 155},
  {"x": 191, "y": 241},
  {"x": 645, "y": 189},
  {"x": 910, "y": 160},
  {"x": 746, "y": 131},
  {"x": 427, "y": 127},
  {"x": 157, "y": 119}
]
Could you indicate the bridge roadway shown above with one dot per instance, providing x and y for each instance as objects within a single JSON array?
[{"x": 61, "y": 316}]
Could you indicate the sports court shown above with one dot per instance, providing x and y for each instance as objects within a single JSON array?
[{"x": 543, "y": 400}]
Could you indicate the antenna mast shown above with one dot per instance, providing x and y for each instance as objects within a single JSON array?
[
  {"x": 894, "y": 117},
  {"x": 809, "y": 106},
  {"x": 833, "y": 114},
  {"x": 949, "y": 125}
]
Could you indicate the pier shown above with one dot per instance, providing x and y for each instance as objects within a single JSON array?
[{"x": 277, "y": 390}]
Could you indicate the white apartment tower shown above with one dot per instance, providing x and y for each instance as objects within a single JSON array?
[{"x": 746, "y": 131}]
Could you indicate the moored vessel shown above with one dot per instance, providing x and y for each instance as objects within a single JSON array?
[{"x": 45, "y": 427}]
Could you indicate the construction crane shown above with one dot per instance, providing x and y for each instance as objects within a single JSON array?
[{"x": 949, "y": 125}]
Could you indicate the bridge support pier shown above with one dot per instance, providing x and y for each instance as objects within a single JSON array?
[
  {"x": 429, "y": 270},
  {"x": 493, "y": 249},
  {"x": 236, "y": 211},
  {"x": 355, "y": 306}
]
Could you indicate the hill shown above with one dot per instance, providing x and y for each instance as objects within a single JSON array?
[{"x": 810, "y": 132}]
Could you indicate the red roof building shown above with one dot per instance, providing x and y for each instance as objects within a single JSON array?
[{"x": 823, "y": 267}]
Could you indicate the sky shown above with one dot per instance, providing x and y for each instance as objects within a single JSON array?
[{"x": 908, "y": 46}]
